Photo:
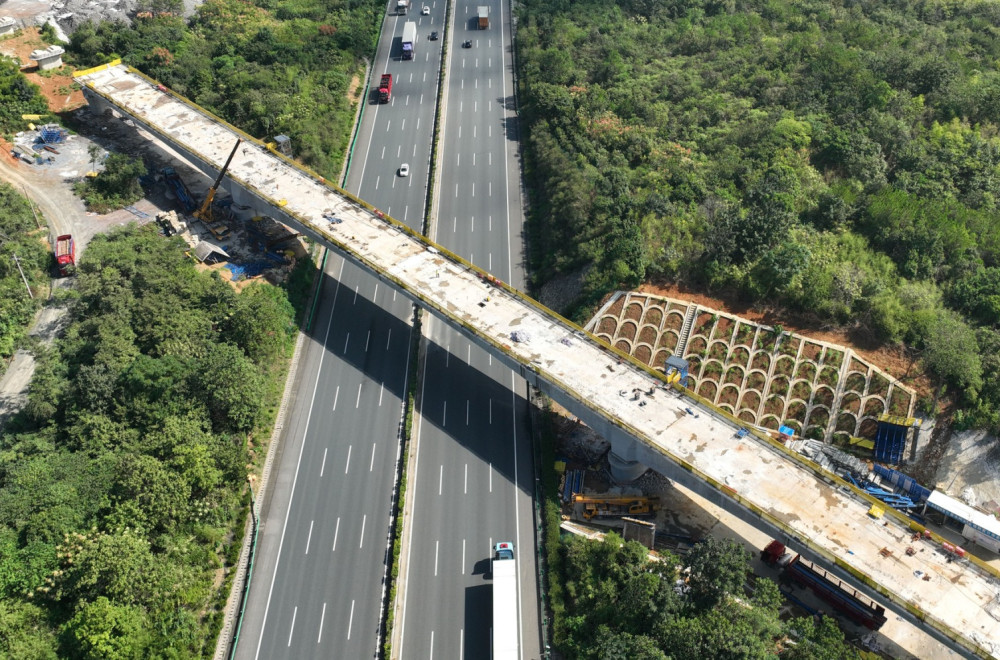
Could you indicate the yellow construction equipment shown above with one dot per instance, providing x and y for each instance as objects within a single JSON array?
[
  {"x": 205, "y": 212},
  {"x": 32, "y": 117},
  {"x": 615, "y": 507}
]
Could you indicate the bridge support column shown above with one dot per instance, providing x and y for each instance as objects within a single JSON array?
[{"x": 625, "y": 471}]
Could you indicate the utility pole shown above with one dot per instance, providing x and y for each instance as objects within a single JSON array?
[
  {"x": 18, "y": 262},
  {"x": 32, "y": 206}
]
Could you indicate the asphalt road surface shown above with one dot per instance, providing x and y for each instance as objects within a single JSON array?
[
  {"x": 474, "y": 480},
  {"x": 318, "y": 582}
]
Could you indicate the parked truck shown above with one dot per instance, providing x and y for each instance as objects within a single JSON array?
[
  {"x": 505, "y": 610},
  {"x": 402, "y": 6},
  {"x": 409, "y": 39},
  {"x": 844, "y": 598},
  {"x": 65, "y": 254},
  {"x": 484, "y": 17},
  {"x": 385, "y": 88}
]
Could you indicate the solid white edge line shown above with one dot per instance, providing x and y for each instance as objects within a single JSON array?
[{"x": 291, "y": 496}]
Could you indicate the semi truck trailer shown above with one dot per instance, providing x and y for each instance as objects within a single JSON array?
[
  {"x": 844, "y": 598},
  {"x": 505, "y": 611}
]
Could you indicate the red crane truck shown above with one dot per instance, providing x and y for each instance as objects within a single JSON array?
[
  {"x": 65, "y": 254},
  {"x": 385, "y": 88}
]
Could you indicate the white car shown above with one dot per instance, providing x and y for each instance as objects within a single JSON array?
[
  {"x": 425, "y": 10},
  {"x": 404, "y": 169}
]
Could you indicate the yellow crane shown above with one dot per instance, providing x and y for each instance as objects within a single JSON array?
[
  {"x": 612, "y": 506},
  {"x": 205, "y": 212}
]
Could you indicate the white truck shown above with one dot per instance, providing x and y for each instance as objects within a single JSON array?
[
  {"x": 402, "y": 6},
  {"x": 409, "y": 38},
  {"x": 505, "y": 610}
]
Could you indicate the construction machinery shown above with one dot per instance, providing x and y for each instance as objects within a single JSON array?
[
  {"x": 179, "y": 188},
  {"x": 614, "y": 507},
  {"x": 844, "y": 598},
  {"x": 205, "y": 212}
]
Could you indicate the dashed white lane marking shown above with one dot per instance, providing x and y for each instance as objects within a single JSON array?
[
  {"x": 309, "y": 538},
  {"x": 346, "y": 339},
  {"x": 336, "y": 533},
  {"x": 322, "y": 617},
  {"x": 361, "y": 542},
  {"x": 292, "y": 628},
  {"x": 336, "y": 395},
  {"x": 322, "y": 465},
  {"x": 350, "y": 622},
  {"x": 347, "y": 465},
  {"x": 357, "y": 402},
  {"x": 371, "y": 465}
]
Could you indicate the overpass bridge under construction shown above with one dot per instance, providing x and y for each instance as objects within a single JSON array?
[{"x": 647, "y": 421}]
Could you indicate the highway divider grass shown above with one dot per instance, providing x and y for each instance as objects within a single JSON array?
[{"x": 398, "y": 509}]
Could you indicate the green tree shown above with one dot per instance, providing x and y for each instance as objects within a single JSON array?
[
  {"x": 102, "y": 630},
  {"x": 716, "y": 569},
  {"x": 114, "y": 187},
  {"x": 951, "y": 352}
]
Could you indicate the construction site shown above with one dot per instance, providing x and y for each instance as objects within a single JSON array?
[{"x": 180, "y": 200}]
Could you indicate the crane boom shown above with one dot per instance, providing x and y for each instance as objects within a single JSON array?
[{"x": 205, "y": 212}]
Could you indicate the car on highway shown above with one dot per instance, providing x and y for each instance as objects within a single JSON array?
[
  {"x": 404, "y": 169},
  {"x": 467, "y": 43},
  {"x": 434, "y": 36},
  {"x": 425, "y": 10}
]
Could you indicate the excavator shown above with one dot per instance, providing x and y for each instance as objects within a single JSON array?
[{"x": 204, "y": 213}]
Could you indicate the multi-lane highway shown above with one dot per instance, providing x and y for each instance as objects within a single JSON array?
[
  {"x": 319, "y": 579},
  {"x": 473, "y": 476}
]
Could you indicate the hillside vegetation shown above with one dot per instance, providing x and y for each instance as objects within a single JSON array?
[
  {"x": 840, "y": 159},
  {"x": 269, "y": 67},
  {"x": 123, "y": 481}
]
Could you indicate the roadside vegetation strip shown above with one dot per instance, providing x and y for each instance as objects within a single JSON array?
[{"x": 19, "y": 236}]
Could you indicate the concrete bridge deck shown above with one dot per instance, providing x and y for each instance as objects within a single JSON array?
[{"x": 646, "y": 421}]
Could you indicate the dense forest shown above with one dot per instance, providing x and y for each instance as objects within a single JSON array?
[
  {"x": 839, "y": 159},
  {"x": 123, "y": 481},
  {"x": 269, "y": 66},
  {"x": 21, "y": 243},
  {"x": 615, "y": 603}
]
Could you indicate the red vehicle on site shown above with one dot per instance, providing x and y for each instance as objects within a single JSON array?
[
  {"x": 844, "y": 598},
  {"x": 65, "y": 254},
  {"x": 385, "y": 88}
]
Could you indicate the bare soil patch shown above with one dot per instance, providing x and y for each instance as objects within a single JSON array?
[{"x": 58, "y": 87}]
